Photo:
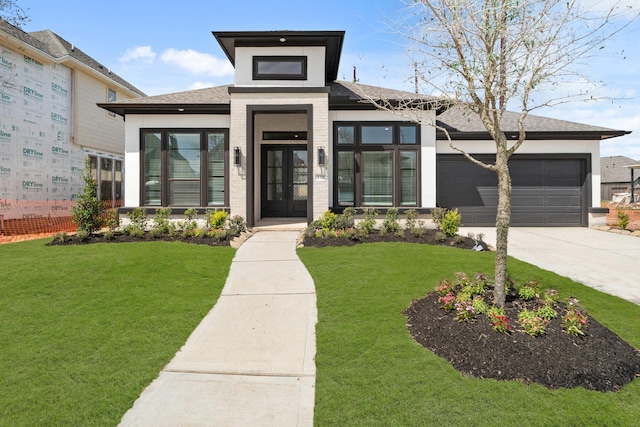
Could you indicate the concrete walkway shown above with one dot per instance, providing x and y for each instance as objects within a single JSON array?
[
  {"x": 608, "y": 262},
  {"x": 250, "y": 362}
]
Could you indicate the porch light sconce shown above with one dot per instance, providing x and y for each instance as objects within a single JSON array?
[
  {"x": 321, "y": 156},
  {"x": 236, "y": 156}
]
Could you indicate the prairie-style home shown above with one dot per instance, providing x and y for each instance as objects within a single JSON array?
[{"x": 287, "y": 140}]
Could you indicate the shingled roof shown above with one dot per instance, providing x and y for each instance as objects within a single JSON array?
[
  {"x": 57, "y": 47},
  {"x": 463, "y": 124},
  {"x": 612, "y": 169}
]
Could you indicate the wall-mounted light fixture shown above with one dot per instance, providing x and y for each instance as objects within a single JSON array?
[
  {"x": 321, "y": 156},
  {"x": 237, "y": 156}
]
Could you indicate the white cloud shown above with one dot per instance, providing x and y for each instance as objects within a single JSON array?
[
  {"x": 197, "y": 63},
  {"x": 138, "y": 53}
]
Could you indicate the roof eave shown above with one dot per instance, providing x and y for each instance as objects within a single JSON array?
[
  {"x": 551, "y": 135},
  {"x": 131, "y": 108}
]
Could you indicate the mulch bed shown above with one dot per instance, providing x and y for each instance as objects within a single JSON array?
[
  {"x": 123, "y": 238},
  {"x": 428, "y": 238},
  {"x": 599, "y": 360}
]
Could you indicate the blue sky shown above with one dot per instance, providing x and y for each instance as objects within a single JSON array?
[{"x": 164, "y": 47}]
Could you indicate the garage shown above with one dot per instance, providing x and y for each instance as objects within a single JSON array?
[{"x": 547, "y": 190}]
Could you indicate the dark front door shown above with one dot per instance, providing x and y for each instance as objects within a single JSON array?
[{"x": 284, "y": 180}]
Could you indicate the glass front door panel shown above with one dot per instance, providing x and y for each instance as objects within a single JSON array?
[
  {"x": 300, "y": 175},
  {"x": 284, "y": 180}
]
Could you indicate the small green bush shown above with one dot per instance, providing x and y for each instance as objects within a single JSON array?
[
  {"x": 529, "y": 290},
  {"x": 217, "y": 219},
  {"x": 137, "y": 222},
  {"x": 237, "y": 225},
  {"x": 328, "y": 220},
  {"x": 368, "y": 222},
  {"x": 88, "y": 213},
  {"x": 346, "y": 220},
  {"x": 61, "y": 237},
  {"x": 532, "y": 323},
  {"x": 623, "y": 219},
  {"x": 112, "y": 220},
  {"x": 440, "y": 236},
  {"x": 437, "y": 215},
  {"x": 390, "y": 223},
  {"x": 546, "y": 312},
  {"x": 161, "y": 221},
  {"x": 451, "y": 223}
]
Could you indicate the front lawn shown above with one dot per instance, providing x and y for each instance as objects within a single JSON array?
[
  {"x": 371, "y": 372},
  {"x": 84, "y": 329}
]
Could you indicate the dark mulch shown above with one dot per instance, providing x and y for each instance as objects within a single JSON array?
[
  {"x": 122, "y": 238},
  {"x": 599, "y": 360},
  {"x": 429, "y": 238}
]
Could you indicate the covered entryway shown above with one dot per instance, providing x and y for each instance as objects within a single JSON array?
[
  {"x": 546, "y": 190},
  {"x": 284, "y": 181}
]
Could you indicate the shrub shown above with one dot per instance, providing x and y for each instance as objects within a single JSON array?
[
  {"x": 479, "y": 305},
  {"x": 368, "y": 222},
  {"x": 161, "y": 221},
  {"x": 440, "y": 236},
  {"x": 623, "y": 219},
  {"x": 112, "y": 220},
  {"x": 437, "y": 215},
  {"x": 348, "y": 233},
  {"x": 88, "y": 213},
  {"x": 328, "y": 220},
  {"x": 346, "y": 220},
  {"x": 451, "y": 223},
  {"x": 61, "y": 237},
  {"x": 237, "y": 225},
  {"x": 390, "y": 223},
  {"x": 217, "y": 219},
  {"x": 189, "y": 222},
  {"x": 137, "y": 222},
  {"x": 108, "y": 235}
]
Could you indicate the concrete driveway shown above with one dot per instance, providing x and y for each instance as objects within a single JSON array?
[{"x": 605, "y": 261}]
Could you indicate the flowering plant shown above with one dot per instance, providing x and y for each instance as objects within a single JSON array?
[
  {"x": 499, "y": 320},
  {"x": 532, "y": 323},
  {"x": 447, "y": 301},
  {"x": 443, "y": 287},
  {"x": 465, "y": 311},
  {"x": 575, "y": 320}
]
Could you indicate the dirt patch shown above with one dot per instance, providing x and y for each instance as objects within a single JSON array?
[{"x": 599, "y": 360}]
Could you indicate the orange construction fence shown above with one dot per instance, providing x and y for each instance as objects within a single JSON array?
[{"x": 33, "y": 219}]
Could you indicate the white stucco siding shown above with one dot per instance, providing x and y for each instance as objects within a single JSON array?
[
  {"x": 591, "y": 147},
  {"x": 136, "y": 122},
  {"x": 427, "y": 145},
  {"x": 315, "y": 65}
]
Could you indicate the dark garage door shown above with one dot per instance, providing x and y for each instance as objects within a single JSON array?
[{"x": 545, "y": 191}]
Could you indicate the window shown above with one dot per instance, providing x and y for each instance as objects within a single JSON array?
[
  {"x": 111, "y": 97},
  {"x": 185, "y": 167},
  {"x": 107, "y": 172},
  {"x": 376, "y": 164},
  {"x": 279, "y": 68}
]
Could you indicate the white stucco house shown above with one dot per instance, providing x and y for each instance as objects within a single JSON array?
[{"x": 288, "y": 140}]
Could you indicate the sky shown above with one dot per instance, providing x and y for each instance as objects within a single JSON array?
[{"x": 167, "y": 46}]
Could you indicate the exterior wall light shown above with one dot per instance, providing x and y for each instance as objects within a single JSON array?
[
  {"x": 237, "y": 160},
  {"x": 321, "y": 156}
]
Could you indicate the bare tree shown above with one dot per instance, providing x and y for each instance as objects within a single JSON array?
[
  {"x": 482, "y": 55},
  {"x": 11, "y": 12}
]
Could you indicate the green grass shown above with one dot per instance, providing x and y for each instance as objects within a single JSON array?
[
  {"x": 370, "y": 372},
  {"x": 84, "y": 329}
]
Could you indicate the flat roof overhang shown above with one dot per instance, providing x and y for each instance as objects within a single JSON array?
[
  {"x": 131, "y": 108},
  {"x": 331, "y": 40}
]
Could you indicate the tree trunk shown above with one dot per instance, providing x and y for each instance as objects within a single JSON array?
[{"x": 503, "y": 219}]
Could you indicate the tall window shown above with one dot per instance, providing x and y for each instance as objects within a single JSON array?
[
  {"x": 107, "y": 172},
  {"x": 376, "y": 164},
  {"x": 111, "y": 97},
  {"x": 185, "y": 167}
]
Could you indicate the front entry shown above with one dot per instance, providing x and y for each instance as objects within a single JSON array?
[{"x": 284, "y": 180}]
